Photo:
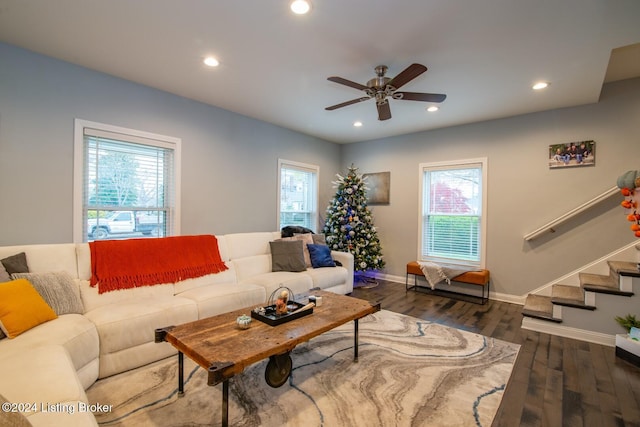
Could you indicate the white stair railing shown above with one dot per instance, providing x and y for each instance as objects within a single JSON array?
[{"x": 549, "y": 227}]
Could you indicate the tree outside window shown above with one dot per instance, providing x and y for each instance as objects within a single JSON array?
[
  {"x": 126, "y": 183},
  {"x": 452, "y": 212}
]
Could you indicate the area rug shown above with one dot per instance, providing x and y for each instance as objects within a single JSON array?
[{"x": 410, "y": 372}]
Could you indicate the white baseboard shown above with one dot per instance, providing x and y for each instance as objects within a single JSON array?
[
  {"x": 513, "y": 299},
  {"x": 531, "y": 323},
  {"x": 552, "y": 328}
]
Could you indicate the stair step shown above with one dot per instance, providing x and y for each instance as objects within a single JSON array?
[
  {"x": 602, "y": 284},
  {"x": 598, "y": 280},
  {"x": 625, "y": 268},
  {"x": 539, "y": 307},
  {"x": 570, "y": 296}
]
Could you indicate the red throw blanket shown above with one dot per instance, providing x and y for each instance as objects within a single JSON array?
[{"x": 124, "y": 264}]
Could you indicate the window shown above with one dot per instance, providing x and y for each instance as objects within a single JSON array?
[
  {"x": 453, "y": 206},
  {"x": 126, "y": 183},
  {"x": 297, "y": 194}
]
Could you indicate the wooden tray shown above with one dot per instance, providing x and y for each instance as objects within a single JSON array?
[{"x": 271, "y": 318}]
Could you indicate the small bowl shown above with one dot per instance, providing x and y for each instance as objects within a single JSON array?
[{"x": 244, "y": 321}]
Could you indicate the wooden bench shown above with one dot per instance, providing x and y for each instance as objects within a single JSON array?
[{"x": 479, "y": 278}]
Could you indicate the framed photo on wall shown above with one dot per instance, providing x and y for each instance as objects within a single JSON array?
[
  {"x": 379, "y": 186},
  {"x": 572, "y": 154}
]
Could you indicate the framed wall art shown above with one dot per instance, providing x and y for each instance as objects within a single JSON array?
[
  {"x": 572, "y": 154},
  {"x": 379, "y": 185}
]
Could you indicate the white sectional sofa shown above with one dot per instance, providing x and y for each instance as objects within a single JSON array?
[{"x": 46, "y": 370}]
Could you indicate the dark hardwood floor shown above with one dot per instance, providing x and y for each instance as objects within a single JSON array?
[{"x": 556, "y": 381}]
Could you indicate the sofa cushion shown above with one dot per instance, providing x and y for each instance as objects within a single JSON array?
[
  {"x": 58, "y": 289},
  {"x": 74, "y": 332},
  {"x": 46, "y": 377},
  {"x": 16, "y": 263},
  {"x": 320, "y": 256},
  {"x": 287, "y": 256},
  {"x": 50, "y": 257},
  {"x": 325, "y": 278},
  {"x": 227, "y": 276},
  {"x": 22, "y": 308},
  {"x": 222, "y": 247},
  {"x": 83, "y": 258},
  {"x": 91, "y": 299},
  {"x": 139, "y": 317},
  {"x": 297, "y": 282},
  {"x": 221, "y": 298},
  {"x": 251, "y": 266},
  {"x": 242, "y": 245}
]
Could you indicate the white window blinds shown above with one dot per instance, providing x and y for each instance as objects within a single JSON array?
[
  {"x": 128, "y": 185},
  {"x": 452, "y": 213},
  {"x": 298, "y": 194}
]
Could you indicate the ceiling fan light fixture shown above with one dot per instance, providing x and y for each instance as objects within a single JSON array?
[
  {"x": 300, "y": 7},
  {"x": 382, "y": 88},
  {"x": 432, "y": 109},
  {"x": 211, "y": 61},
  {"x": 540, "y": 85},
  {"x": 357, "y": 124}
]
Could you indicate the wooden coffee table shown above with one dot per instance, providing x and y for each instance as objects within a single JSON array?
[{"x": 224, "y": 350}]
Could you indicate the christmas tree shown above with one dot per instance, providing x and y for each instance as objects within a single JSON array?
[{"x": 349, "y": 223}]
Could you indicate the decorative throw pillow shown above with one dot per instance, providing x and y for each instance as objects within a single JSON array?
[
  {"x": 4, "y": 276},
  {"x": 10, "y": 418},
  {"x": 307, "y": 239},
  {"x": 319, "y": 239},
  {"x": 58, "y": 289},
  {"x": 320, "y": 256},
  {"x": 287, "y": 255},
  {"x": 16, "y": 263},
  {"x": 22, "y": 307}
]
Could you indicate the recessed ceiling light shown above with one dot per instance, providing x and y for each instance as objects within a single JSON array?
[
  {"x": 357, "y": 124},
  {"x": 211, "y": 61},
  {"x": 300, "y": 7},
  {"x": 432, "y": 108},
  {"x": 540, "y": 85}
]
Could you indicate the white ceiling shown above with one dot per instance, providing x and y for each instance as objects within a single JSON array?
[{"x": 484, "y": 54}]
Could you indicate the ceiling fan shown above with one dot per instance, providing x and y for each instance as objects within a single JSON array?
[{"x": 381, "y": 87}]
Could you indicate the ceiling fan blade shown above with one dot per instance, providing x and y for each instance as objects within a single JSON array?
[
  {"x": 384, "y": 111},
  {"x": 409, "y": 73},
  {"x": 344, "y": 104},
  {"x": 416, "y": 96},
  {"x": 347, "y": 83}
]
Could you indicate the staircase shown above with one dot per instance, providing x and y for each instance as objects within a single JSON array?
[{"x": 586, "y": 309}]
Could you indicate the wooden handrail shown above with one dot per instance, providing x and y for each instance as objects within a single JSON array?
[{"x": 550, "y": 225}]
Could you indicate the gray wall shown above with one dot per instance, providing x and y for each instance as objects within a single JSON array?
[
  {"x": 523, "y": 193},
  {"x": 229, "y": 161},
  {"x": 229, "y": 171}
]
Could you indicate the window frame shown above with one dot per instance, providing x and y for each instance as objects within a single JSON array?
[
  {"x": 305, "y": 167},
  {"x": 125, "y": 135},
  {"x": 452, "y": 165}
]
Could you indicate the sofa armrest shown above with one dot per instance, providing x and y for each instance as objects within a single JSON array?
[{"x": 346, "y": 259}]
